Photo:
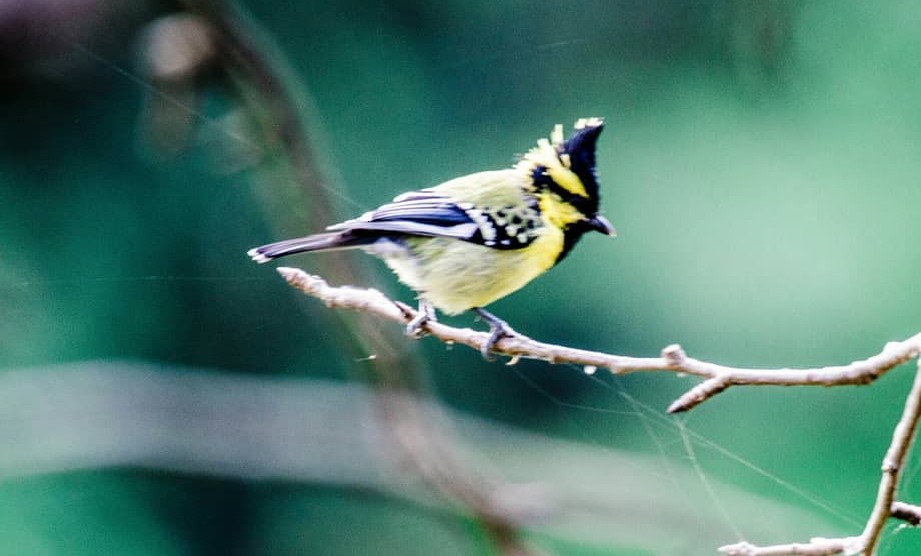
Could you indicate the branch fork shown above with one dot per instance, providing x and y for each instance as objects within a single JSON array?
[{"x": 672, "y": 358}]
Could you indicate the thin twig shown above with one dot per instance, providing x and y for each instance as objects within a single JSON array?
[
  {"x": 892, "y": 463},
  {"x": 673, "y": 357},
  {"x": 883, "y": 509},
  {"x": 909, "y": 513},
  {"x": 815, "y": 547}
]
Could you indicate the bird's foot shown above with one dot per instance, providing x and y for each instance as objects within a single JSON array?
[
  {"x": 498, "y": 329},
  {"x": 415, "y": 328},
  {"x": 408, "y": 312}
]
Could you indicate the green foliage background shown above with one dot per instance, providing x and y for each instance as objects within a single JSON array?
[{"x": 761, "y": 166}]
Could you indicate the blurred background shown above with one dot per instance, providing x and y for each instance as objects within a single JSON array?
[{"x": 161, "y": 394}]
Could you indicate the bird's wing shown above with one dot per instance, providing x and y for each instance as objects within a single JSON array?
[{"x": 420, "y": 213}]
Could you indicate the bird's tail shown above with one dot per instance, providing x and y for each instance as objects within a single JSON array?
[{"x": 317, "y": 242}]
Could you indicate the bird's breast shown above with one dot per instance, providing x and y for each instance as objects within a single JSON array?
[{"x": 456, "y": 275}]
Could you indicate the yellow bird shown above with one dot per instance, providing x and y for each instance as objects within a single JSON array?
[{"x": 469, "y": 241}]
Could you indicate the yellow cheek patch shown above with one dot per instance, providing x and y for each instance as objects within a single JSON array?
[
  {"x": 565, "y": 178},
  {"x": 557, "y": 213}
]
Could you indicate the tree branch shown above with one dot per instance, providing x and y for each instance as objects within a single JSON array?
[
  {"x": 909, "y": 513},
  {"x": 718, "y": 378},
  {"x": 892, "y": 463},
  {"x": 673, "y": 357},
  {"x": 816, "y": 547},
  {"x": 883, "y": 509}
]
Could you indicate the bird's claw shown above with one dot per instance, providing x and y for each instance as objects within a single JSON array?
[
  {"x": 498, "y": 329},
  {"x": 416, "y": 327},
  {"x": 496, "y": 334},
  {"x": 404, "y": 308}
]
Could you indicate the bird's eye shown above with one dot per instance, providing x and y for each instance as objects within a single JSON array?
[{"x": 581, "y": 204}]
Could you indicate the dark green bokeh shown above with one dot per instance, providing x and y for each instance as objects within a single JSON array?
[{"x": 761, "y": 166}]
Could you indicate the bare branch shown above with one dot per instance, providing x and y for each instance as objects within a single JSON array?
[
  {"x": 718, "y": 378},
  {"x": 816, "y": 547},
  {"x": 892, "y": 463},
  {"x": 908, "y": 513},
  {"x": 883, "y": 509},
  {"x": 673, "y": 357}
]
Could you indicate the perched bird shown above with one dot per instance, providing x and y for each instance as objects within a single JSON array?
[{"x": 472, "y": 240}]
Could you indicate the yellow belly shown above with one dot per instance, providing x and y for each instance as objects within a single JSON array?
[{"x": 455, "y": 276}]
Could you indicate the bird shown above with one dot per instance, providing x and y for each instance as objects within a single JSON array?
[{"x": 472, "y": 240}]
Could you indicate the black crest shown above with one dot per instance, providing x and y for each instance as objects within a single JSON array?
[{"x": 581, "y": 150}]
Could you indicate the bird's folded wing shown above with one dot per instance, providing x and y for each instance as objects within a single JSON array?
[{"x": 420, "y": 213}]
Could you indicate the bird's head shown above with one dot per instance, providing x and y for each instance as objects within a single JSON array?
[{"x": 562, "y": 174}]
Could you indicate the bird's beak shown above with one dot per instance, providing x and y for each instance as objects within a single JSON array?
[{"x": 600, "y": 224}]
